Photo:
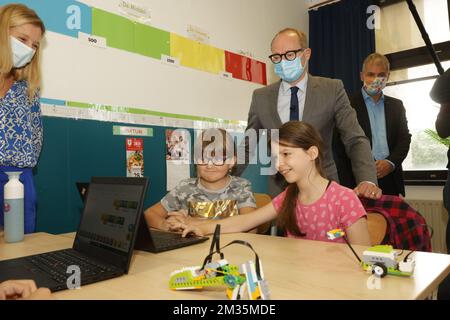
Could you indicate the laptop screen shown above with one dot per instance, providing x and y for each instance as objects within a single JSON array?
[{"x": 110, "y": 215}]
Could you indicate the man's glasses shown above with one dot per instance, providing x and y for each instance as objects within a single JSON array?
[{"x": 289, "y": 55}]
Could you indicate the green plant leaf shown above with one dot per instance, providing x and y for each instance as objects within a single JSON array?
[{"x": 433, "y": 134}]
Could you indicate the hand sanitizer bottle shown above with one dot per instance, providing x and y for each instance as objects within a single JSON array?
[{"x": 14, "y": 208}]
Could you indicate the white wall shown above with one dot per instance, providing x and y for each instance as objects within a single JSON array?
[{"x": 76, "y": 72}]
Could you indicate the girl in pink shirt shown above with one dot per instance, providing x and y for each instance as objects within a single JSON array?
[{"x": 311, "y": 205}]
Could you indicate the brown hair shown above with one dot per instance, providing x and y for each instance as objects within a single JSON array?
[
  {"x": 302, "y": 38},
  {"x": 14, "y": 15},
  {"x": 297, "y": 134},
  {"x": 213, "y": 141}
]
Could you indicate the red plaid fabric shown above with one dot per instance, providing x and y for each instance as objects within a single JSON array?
[{"x": 407, "y": 229}]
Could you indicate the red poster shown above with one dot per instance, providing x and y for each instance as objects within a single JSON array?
[
  {"x": 245, "y": 68},
  {"x": 135, "y": 157}
]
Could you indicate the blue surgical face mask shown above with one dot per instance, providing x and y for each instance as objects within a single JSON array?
[
  {"x": 22, "y": 54},
  {"x": 376, "y": 86},
  {"x": 289, "y": 71}
]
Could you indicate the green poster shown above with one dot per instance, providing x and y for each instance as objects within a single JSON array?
[
  {"x": 118, "y": 31},
  {"x": 151, "y": 42}
]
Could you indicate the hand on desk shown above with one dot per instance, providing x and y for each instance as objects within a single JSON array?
[{"x": 22, "y": 290}]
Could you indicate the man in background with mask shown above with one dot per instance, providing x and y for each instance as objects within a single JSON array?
[
  {"x": 383, "y": 120},
  {"x": 319, "y": 101}
]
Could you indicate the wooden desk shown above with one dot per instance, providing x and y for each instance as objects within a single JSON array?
[{"x": 295, "y": 269}]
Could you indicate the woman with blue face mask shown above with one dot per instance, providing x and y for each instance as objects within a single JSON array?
[{"x": 21, "y": 32}]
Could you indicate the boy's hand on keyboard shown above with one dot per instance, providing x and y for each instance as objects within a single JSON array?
[
  {"x": 176, "y": 218},
  {"x": 188, "y": 229},
  {"x": 191, "y": 230}
]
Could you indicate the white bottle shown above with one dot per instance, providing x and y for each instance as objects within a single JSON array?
[{"x": 14, "y": 208}]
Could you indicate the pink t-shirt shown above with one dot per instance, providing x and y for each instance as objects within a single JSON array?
[{"x": 339, "y": 207}]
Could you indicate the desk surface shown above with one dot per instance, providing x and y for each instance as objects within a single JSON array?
[{"x": 294, "y": 269}]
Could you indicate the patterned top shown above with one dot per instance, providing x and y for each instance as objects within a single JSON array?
[
  {"x": 21, "y": 130},
  {"x": 339, "y": 207},
  {"x": 190, "y": 191}
]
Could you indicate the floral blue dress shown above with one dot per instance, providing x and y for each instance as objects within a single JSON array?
[{"x": 21, "y": 137}]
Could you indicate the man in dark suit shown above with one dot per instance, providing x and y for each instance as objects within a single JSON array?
[
  {"x": 440, "y": 93},
  {"x": 383, "y": 120},
  {"x": 322, "y": 102}
]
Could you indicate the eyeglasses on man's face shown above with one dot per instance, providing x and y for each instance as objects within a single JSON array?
[{"x": 288, "y": 55}]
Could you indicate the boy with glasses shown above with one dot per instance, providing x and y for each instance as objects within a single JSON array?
[{"x": 213, "y": 194}]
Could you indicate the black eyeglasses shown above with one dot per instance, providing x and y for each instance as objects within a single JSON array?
[
  {"x": 217, "y": 161},
  {"x": 289, "y": 55}
]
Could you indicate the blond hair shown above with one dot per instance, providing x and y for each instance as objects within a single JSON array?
[
  {"x": 302, "y": 38},
  {"x": 14, "y": 15},
  {"x": 378, "y": 59}
]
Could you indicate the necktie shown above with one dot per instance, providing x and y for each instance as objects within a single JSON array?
[{"x": 294, "y": 104}]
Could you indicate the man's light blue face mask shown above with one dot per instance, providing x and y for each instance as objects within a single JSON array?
[{"x": 290, "y": 71}]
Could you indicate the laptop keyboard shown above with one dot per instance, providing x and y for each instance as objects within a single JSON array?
[
  {"x": 56, "y": 264},
  {"x": 169, "y": 239}
]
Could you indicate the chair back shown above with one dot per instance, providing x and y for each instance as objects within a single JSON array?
[
  {"x": 377, "y": 226},
  {"x": 263, "y": 199},
  {"x": 406, "y": 227}
]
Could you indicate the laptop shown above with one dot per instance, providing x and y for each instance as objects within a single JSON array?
[
  {"x": 153, "y": 240},
  {"x": 103, "y": 244}
]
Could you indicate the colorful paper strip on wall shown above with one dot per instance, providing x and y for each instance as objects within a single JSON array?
[
  {"x": 69, "y": 17},
  {"x": 197, "y": 55},
  {"x": 245, "y": 68},
  {"x": 151, "y": 42},
  {"x": 118, "y": 31}
]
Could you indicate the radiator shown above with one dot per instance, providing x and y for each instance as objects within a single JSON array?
[{"x": 436, "y": 216}]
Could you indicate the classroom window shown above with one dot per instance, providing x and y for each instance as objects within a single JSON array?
[
  {"x": 413, "y": 89},
  {"x": 413, "y": 73},
  {"x": 398, "y": 30}
]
